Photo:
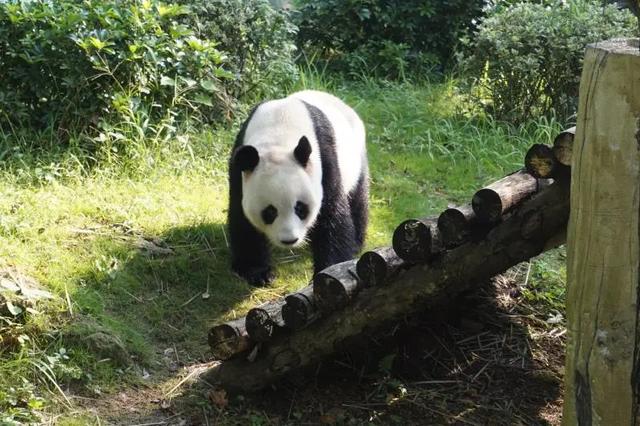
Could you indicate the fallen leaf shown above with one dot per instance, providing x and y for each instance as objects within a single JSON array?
[{"x": 219, "y": 398}]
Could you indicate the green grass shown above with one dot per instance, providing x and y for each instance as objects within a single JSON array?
[{"x": 75, "y": 224}]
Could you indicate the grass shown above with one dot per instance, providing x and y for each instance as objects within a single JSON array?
[{"x": 134, "y": 245}]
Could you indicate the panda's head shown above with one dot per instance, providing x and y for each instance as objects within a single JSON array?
[{"x": 280, "y": 196}]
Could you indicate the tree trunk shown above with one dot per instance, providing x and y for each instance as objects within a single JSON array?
[
  {"x": 603, "y": 359},
  {"x": 420, "y": 285}
]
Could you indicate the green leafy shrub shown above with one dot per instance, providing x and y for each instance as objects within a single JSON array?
[
  {"x": 258, "y": 41},
  {"x": 384, "y": 37},
  {"x": 69, "y": 63},
  {"x": 527, "y": 57}
]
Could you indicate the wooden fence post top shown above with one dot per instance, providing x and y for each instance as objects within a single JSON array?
[{"x": 623, "y": 46}]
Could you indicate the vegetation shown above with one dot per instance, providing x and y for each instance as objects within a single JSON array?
[
  {"x": 528, "y": 57},
  {"x": 115, "y": 67},
  {"x": 116, "y": 122},
  {"x": 394, "y": 39}
]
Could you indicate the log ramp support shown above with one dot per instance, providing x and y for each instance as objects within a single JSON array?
[
  {"x": 432, "y": 260},
  {"x": 602, "y": 379}
]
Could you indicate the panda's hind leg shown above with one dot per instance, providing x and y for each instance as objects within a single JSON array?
[{"x": 359, "y": 206}]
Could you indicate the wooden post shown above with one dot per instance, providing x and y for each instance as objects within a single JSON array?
[{"x": 602, "y": 374}]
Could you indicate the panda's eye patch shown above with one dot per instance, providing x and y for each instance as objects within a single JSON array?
[
  {"x": 302, "y": 210},
  {"x": 269, "y": 214}
]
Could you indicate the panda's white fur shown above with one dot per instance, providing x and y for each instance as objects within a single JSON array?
[{"x": 275, "y": 129}]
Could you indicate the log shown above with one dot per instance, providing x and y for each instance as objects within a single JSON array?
[
  {"x": 563, "y": 146},
  {"x": 602, "y": 370},
  {"x": 263, "y": 321},
  {"x": 491, "y": 202},
  {"x": 540, "y": 162},
  {"x": 300, "y": 309},
  {"x": 335, "y": 286},
  {"x": 456, "y": 225},
  {"x": 417, "y": 240},
  {"x": 420, "y": 285},
  {"x": 229, "y": 339},
  {"x": 378, "y": 266}
]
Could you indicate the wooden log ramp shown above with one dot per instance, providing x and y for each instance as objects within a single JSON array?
[{"x": 432, "y": 259}]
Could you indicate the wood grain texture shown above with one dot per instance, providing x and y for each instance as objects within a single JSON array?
[{"x": 601, "y": 379}]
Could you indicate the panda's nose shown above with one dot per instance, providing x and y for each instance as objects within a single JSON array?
[{"x": 289, "y": 242}]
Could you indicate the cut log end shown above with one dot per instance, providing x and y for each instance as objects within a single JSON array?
[
  {"x": 298, "y": 311},
  {"x": 412, "y": 240},
  {"x": 377, "y": 266},
  {"x": 225, "y": 341},
  {"x": 330, "y": 292},
  {"x": 540, "y": 161},
  {"x": 563, "y": 146},
  {"x": 487, "y": 205},
  {"x": 454, "y": 227},
  {"x": 259, "y": 324}
]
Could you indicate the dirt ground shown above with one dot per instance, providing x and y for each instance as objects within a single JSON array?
[{"x": 487, "y": 359}]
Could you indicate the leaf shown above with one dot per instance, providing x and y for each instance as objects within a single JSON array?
[
  {"x": 167, "y": 81},
  {"x": 203, "y": 99},
  {"x": 97, "y": 43},
  {"x": 208, "y": 85},
  {"x": 219, "y": 398},
  {"x": 222, "y": 73},
  {"x": 13, "y": 309}
]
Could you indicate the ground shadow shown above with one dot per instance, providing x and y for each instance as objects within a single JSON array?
[
  {"x": 472, "y": 361},
  {"x": 146, "y": 304}
]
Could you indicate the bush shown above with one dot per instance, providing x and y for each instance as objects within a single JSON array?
[
  {"x": 68, "y": 63},
  {"x": 258, "y": 41},
  {"x": 117, "y": 67},
  {"x": 528, "y": 57},
  {"x": 384, "y": 37}
]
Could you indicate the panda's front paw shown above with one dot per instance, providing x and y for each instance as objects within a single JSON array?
[{"x": 258, "y": 277}]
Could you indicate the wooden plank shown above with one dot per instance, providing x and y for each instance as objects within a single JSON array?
[{"x": 602, "y": 366}]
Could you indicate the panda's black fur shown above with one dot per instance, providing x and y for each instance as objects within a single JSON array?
[{"x": 339, "y": 231}]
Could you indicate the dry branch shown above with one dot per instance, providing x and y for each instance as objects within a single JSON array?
[{"x": 420, "y": 285}]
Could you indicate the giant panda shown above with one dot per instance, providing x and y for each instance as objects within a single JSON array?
[{"x": 298, "y": 173}]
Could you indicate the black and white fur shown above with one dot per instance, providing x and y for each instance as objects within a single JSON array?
[{"x": 303, "y": 158}]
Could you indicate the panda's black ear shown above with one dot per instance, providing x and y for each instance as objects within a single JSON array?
[
  {"x": 302, "y": 151},
  {"x": 246, "y": 158}
]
